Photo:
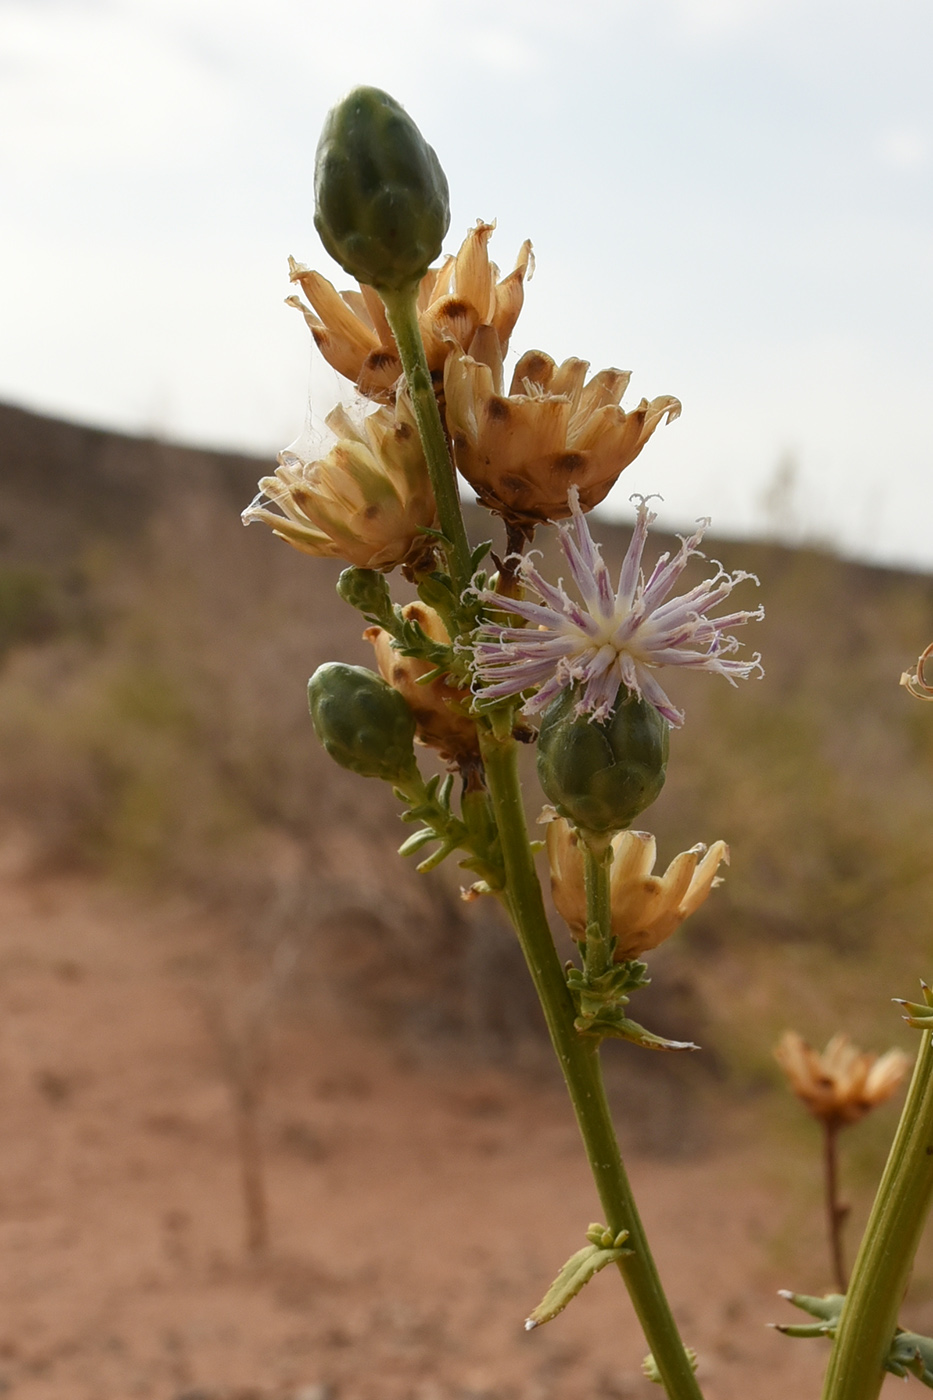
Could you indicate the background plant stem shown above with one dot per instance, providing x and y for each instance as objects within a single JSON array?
[
  {"x": 835, "y": 1213},
  {"x": 886, "y": 1256},
  {"x": 579, "y": 1061}
]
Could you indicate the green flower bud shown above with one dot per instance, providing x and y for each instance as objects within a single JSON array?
[
  {"x": 367, "y": 591},
  {"x": 362, "y": 722},
  {"x": 380, "y": 193},
  {"x": 601, "y": 775}
]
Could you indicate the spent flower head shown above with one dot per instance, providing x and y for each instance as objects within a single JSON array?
[
  {"x": 842, "y": 1083},
  {"x": 645, "y": 908},
  {"x": 555, "y": 429},
  {"x": 439, "y": 705},
  {"x": 919, "y": 681},
  {"x": 613, "y": 637},
  {"x": 369, "y": 500},
  {"x": 454, "y": 300}
]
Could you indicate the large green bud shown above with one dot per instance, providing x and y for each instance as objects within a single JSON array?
[
  {"x": 381, "y": 204},
  {"x": 601, "y": 775},
  {"x": 362, "y": 722}
]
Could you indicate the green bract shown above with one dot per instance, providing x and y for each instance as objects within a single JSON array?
[
  {"x": 381, "y": 204},
  {"x": 601, "y": 775},
  {"x": 362, "y": 722}
]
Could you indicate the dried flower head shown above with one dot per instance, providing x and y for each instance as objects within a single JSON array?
[
  {"x": 646, "y": 908},
  {"x": 917, "y": 681},
  {"x": 617, "y": 637},
  {"x": 841, "y": 1084},
  {"x": 454, "y": 300},
  {"x": 438, "y": 705},
  {"x": 555, "y": 430},
  {"x": 367, "y": 501}
]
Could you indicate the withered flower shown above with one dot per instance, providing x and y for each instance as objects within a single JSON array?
[
  {"x": 841, "y": 1084},
  {"x": 919, "y": 681},
  {"x": 367, "y": 501},
  {"x": 556, "y": 429},
  {"x": 454, "y": 300},
  {"x": 438, "y": 705},
  {"x": 646, "y": 908}
]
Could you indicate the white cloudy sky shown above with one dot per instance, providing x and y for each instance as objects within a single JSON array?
[{"x": 730, "y": 197}]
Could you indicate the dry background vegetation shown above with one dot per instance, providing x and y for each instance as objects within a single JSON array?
[{"x": 154, "y": 736}]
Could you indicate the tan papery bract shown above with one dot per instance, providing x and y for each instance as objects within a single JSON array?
[
  {"x": 454, "y": 301},
  {"x": 367, "y": 501},
  {"x": 555, "y": 429},
  {"x": 841, "y": 1083},
  {"x": 437, "y": 704},
  {"x": 646, "y": 908},
  {"x": 919, "y": 681}
]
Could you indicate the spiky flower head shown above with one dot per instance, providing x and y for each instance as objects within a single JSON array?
[
  {"x": 368, "y": 500},
  {"x": 646, "y": 908},
  {"x": 454, "y": 300},
  {"x": 612, "y": 637},
  {"x": 842, "y": 1083}
]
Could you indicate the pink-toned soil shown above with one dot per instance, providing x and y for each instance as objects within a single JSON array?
[{"x": 416, "y": 1214}]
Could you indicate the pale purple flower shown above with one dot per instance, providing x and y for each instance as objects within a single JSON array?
[{"x": 616, "y": 637}]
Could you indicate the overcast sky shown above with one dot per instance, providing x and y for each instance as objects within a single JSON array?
[{"x": 732, "y": 198}]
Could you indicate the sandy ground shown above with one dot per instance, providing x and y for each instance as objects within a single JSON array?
[{"x": 416, "y": 1214}]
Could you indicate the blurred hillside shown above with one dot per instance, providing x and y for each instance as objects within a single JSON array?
[{"x": 153, "y": 726}]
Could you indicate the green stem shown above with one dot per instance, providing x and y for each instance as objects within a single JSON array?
[
  {"x": 402, "y": 313},
  {"x": 886, "y": 1256},
  {"x": 597, "y": 864},
  {"x": 579, "y": 1060}
]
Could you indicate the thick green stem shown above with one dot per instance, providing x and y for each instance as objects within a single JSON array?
[
  {"x": 879, "y": 1278},
  {"x": 402, "y": 313},
  {"x": 579, "y": 1060}
]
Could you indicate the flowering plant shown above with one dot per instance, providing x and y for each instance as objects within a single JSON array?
[{"x": 487, "y": 660}]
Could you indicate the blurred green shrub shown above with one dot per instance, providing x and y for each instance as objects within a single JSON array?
[{"x": 27, "y": 607}]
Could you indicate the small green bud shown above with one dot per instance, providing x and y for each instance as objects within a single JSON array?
[
  {"x": 381, "y": 205},
  {"x": 362, "y": 722},
  {"x": 601, "y": 775},
  {"x": 367, "y": 591}
]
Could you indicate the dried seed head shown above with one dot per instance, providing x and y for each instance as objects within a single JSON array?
[
  {"x": 842, "y": 1083},
  {"x": 646, "y": 908},
  {"x": 367, "y": 501},
  {"x": 555, "y": 430},
  {"x": 463, "y": 306}
]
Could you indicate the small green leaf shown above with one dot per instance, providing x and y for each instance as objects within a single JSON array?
[
  {"x": 479, "y": 554},
  {"x": 416, "y": 841},
  {"x": 575, "y": 1274}
]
